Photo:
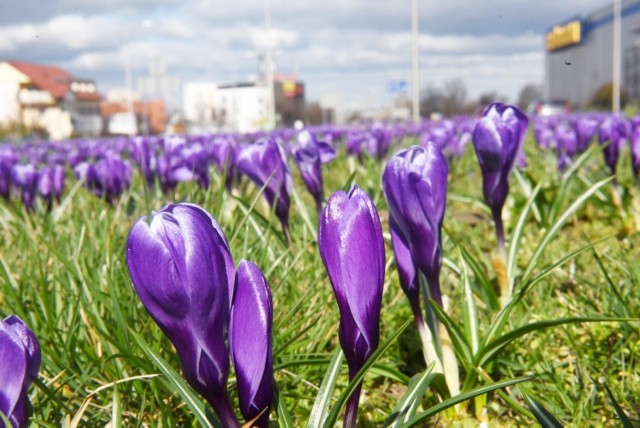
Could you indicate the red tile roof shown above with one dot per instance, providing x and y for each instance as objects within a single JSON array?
[{"x": 46, "y": 77}]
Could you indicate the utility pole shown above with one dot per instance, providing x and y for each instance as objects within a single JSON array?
[
  {"x": 615, "y": 107},
  {"x": 415, "y": 66},
  {"x": 271, "y": 108}
]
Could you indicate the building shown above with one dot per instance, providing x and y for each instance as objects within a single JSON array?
[
  {"x": 579, "y": 54},
  {"x": 49, "y": 99},
  {"x": 242, "y": 106},
  {"x": 124, "y": 112},
  {"x": 137, "y": 117}
]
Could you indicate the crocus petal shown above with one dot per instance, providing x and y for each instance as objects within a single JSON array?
[
  {"x": 352, "y": 249},
  {"x": 180, "y": 266},
  {"x": 250, "y": 342}
]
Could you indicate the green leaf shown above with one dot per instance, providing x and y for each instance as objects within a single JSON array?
[
  {"x": 406, "y": 407},
  {"x": 284, "y": 417},
  {"x": 180, "y": 386},
  {"x": 342, "y": 399},
  {"x": 551, "y": 233},
  {"x": 458, "y": 339},
  {"x": 320, "y": 408},
  {"x": 421, "y": 417},
  {"x": 487, "y": 352},
  {"x": 516, "y": 236},
  {"x": 503, "y": 316},
  {"x": 544, "y": 417},
  {"x": 624, "y": 419}
]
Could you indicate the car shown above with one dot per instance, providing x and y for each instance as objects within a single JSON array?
[{"x": 549, "y": 107}]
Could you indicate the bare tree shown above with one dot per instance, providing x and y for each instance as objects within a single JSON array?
[{"x": 528, "y": 94}]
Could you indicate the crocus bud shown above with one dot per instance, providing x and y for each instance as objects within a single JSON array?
[
  {"x": 613, "y": 130},
  {"x": 497, "y": 139},
  {"x": 635, "y": 145},
  {"x": 308, "y": 155},
  {"x": 265, "y": 161},
  {"x": 352, "y": 249},
  {"x": 586, "y": 128},
  {"x": 25, "y": 178},
  {"x": 250, "y": 343},
  {"x": 20, "y": 356},
  {"x": 182, "y": 270},
  {"x": 414, "y": 182}
]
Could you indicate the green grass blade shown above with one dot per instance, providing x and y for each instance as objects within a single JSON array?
[
  {"x": 624, "y": 419},
  {"x": 487, "y": 352},
  {"x": 342, "y": 399},
  {"x": 544, "y": 417},
  {"x": 516, "y": 235},
  {"x": 320, "y": 408},
  {"x": 284, "y": 417},
  {"x": 421, "y": 417},
  {"x": 408, "y": 404},
  {"x": 551, "y": 233},
  {"x": 180, "y": 386}
]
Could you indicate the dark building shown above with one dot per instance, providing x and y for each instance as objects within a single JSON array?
[
  {"x": 579, "y": 54},
  {"x": 289, "y": 100}
]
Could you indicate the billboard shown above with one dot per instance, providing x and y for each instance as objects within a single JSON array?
[{"x": 564, "y": 35}]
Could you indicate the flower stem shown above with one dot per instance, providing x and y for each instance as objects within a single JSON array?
[
  {"x": 222, "y": 407},
  {"x": 351, "y": 413},
  {"x": 499, "y": 261}
]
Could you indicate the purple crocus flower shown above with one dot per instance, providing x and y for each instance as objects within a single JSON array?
[
  {"x": 250, "y": 342},
  {"x": 352, "y": 249},
  {"x": 107, "y": 178},
  {"x": 309, "y": 155},
  {"x": 635, "y": 145},
  {"x": 7, "y": 159},
  {"x": 497, "y": 138},
  {"x": 566, "y": 145},
  {"x": 265, "y": 162},
  {"x": 414, "y": 182},
  {"x": 182, "y": 270},
  {"x": 224, "y": 152},
  {"x": 143, "y": 154},
  {"x": 20, "y": 356},
  {"x": 25, "y": 178},
  {"x": 586, "y": 127},
  {"x": 613, "y": 130}
]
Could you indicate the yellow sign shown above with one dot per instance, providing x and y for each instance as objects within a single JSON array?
[{"x": 564, "y": 35}]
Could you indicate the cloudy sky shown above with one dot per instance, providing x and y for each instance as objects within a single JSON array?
[{"x": 343, "y": 49}]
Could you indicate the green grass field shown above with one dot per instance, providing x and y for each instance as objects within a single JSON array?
[{"x": 106, "y": 362}]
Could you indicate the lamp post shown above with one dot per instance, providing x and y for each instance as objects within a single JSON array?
[
  {"x": 271, "y": 104},
  {"x": 415, "y": 66},
  {"x": 615, "y": 107}
]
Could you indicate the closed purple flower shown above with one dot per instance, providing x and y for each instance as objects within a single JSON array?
[
  {"x": 25, "y": 178},
  {"x": 566, "y": 144},
  {"x": 415, "y": 185},
  {"x": 182, "y": 270},
  {"x": 613, "y": 132},
  {"x": 51, "y": 183},
  {"x": 20, "y": 363},
  {"x": 8, "y": 158},
  {"x": 585, "y": 127},
  {"x": 497, "y": 139},
  {"x": 224, "y": 152},
  {"x": 143, "y": 154},
  {"x": 265, "y": 161},
  {"x": 352, "y": 249},
  {"x": 635, "y": 145},
  {"x": 107, "y": 178},
  {"x": 250, "y": 342},
  {"x": 309, "y": 154}
]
